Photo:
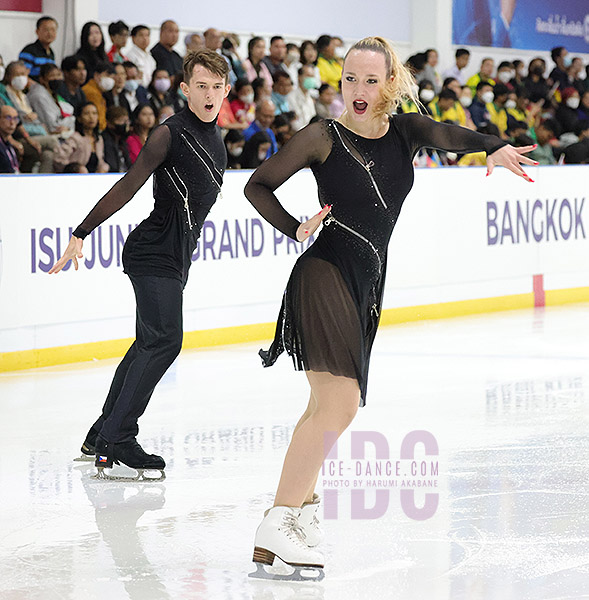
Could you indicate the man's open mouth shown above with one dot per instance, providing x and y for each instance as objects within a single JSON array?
[{"x": 208, "y": 107}]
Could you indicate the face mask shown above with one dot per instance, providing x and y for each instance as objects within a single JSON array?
[
  {"x": 247, "y": 98},
  {"x": 121, "y": 129},
  {"x": 293, "y": 56},
  {"x": 262, "y": 155},
  {"x": 504, "y": 76},
  {"x": 55, "y": 84},
  {"x": 573, "y": 103},
  {"x": 2, "y": 72},
  {"x": 310, "y": 83},
  {"x": 539, "y": 71},
  {"x": 466, "y": 101},
  {"x": 162, "y": 85},
  {"x": 427, "y": 95},
  {"x": 107, "y": 84},
  {"x": 131, "y": 85},
  {"x": 567, "y": 61},
  {"x": 236, "y": 151},
  {"x": 510, "y": 104},
  {"x": 340, "y": 52},
  {"x": 19, "y": 83},
  {"x": 487, "y": 97}
]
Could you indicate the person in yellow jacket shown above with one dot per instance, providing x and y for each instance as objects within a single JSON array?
[
  {"x": 497, "y": 109},
  {"x": 330, "y": 69},
  {"x": 484, "y": 74},
  {"x": 102, "y": 81},
  {"x": 524, "y": 110},
  {"x": 446, "y": 107}
]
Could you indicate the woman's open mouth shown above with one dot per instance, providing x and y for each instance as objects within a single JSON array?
[{"x": 360, "y": 107}]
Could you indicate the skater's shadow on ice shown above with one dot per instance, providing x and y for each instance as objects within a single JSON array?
[{"x": 118, "y": 507}]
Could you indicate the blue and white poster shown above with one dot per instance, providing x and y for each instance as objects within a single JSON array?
[{"x": 522, "y": 24}]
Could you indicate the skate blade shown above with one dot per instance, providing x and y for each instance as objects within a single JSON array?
[
  {"x": 302, "y": 574},
  {"x": 85, "y": 458},
  {"x": 141, "y": 476}
]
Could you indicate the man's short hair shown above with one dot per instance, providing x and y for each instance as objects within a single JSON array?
[
  {"x": 280, "y": 74},
  {"x": 500, "y": 90},
  {"x": 462, "y": 52},
  {"x": 447, "y": 94},
  {"x": 129, "y": 65},
  {"x": 137, "y": 29},
  {"x": 209, "y": 59},
  {"x": 276, "y": 38},
  {"x": 556, "y": 52},
  {"x": 486, "y": 59},
  {"x": 322, "y": 42},
  {"x": 104, "y": 67},
  {"x": 115, "y": 112},
  {"x": 43, "y": 19},
  {"x": 117, "y": 27},
  {"x": 552, "y": 126},
  {"x": 70, "y": 63},
  {"x": 482, "y": 84}
]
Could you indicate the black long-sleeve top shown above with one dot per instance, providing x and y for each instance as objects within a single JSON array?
[{"x": 187, "y": 158}]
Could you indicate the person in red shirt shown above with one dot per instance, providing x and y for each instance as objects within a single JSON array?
[
  {"x": 243, "y": 106},
  {"x": 119, "y": 35}
]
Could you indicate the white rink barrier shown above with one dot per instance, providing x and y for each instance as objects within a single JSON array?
[{"x": 464, "y": 243}]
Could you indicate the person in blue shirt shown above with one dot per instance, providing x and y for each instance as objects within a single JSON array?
[
  {"x": 265, "y": 110},
  {"x": 282, "y": 87},
  {"x": 40, "y": 53}
]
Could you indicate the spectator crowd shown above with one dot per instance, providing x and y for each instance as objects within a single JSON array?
[{"x": 93, "y": 112}]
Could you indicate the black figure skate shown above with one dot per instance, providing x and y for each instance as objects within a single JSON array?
[
  {"x": 88, "y": 447},
  {"x": 130, "y": 454}
]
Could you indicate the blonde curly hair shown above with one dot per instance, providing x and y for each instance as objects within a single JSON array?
[{"x": 401, "y": 87}]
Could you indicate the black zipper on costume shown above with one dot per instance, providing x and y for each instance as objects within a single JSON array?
[
  {"x": 204, "y": 162},
  {"x": 365, "y": 165},
  {"x": 183, "y": 195},
  {"x": 331, "y": 219}
]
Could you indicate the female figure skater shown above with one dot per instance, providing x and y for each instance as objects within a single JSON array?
[
  {"x": 187, "y": 157},
  {"x": 330, "y": 311}
]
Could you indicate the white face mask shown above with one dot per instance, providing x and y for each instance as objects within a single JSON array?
[
  {"x": 340, "y": 52},
  {"x": 487, "y": 97},
  {"x": 19, "y": 83},
  {"x": 235, "y": 151},
  {"x": 248, "y": 98},
  {"x": 504, "y": 76},
  {"x": 262, "y": 155},
  {"x": 466, "y": 101},
  {"x": 573, "y": 103},
  {"x": 2, "y": 72},
  {"x": 510, "y": 104},
  {"x": 107, "y": 84},
  {"x": 427, "y": 95}
]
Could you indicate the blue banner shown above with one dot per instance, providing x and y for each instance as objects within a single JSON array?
[{"x": 522, "y": 24}]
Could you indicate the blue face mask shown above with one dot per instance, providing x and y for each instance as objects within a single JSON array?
[
  {"x": 567, "y": 61},
  {"x": 131, "y": 85}
]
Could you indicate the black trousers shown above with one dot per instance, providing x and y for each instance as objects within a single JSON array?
[{"x": 158, "y": 342}]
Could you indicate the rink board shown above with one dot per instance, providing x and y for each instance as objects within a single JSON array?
[{"x": 464, "y": 244}]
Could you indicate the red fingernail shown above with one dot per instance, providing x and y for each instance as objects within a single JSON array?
[
  {"x": 487, "y": 174},
  {"x": 306, "y": 231},
  {"x": 530, "y": 180},
  {"x": 535, "y": 145},
  {"x": 536, "y": 163}
]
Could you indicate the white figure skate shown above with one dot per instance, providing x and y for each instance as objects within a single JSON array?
[
  {"x": 280, "y": 544},
  {"x": 309, "y": 523}
]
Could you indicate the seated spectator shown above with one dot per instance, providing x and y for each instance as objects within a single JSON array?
[
  {"x": 566, "y": 113},
  {"x": 462, "y": 56},
  {"x": 443, "y": 107},
  {"x": 166, "y": 58},
  {"x": 505, "y": 73},
  {"x": 256, "y": 150},
  {"x": 16, "y": 81},
  {"x": 308, "y": 53},
  {"x": 340, "y": 51},
  {"x": 546, "y": 134},
  {"x": 116, "y": 96},
  {"x": 484, "y": 74},
  {"x": 234, "y": 143},
  {"x": 85, "y": 146},
  {"x": 254, "y": 65},
  {"x": 194, "y": 41},
  {"x": 116, "y": 153},
  {"x": 430, "y": 72},
  {"x": 229, "y": 50},
  {"x": 478, "y": 109},
  {"x": 243, "y": 106},
  {"x": 523, "y": 111},
  {"x": 535, "y": 83},
  {"x": 574, "y": 72},
  {"x": 563, "y": 60},
  {"x": 40, "y": 52},
  {"x": 282, "y": 129},
  {"x": 261, "y": 90},
  {"x": 165, "y": 112},
  {"x": 465, "y": 98},
  {"x": 119, "y": 36},
  {"x": 73, "y": 168},
  {"x": 457, "y": 114},
  {"x": 282, "y": 87},
  {"x": 142, "y": 122},
  {"x": 227, "y": 120},
  {"x": 91, "y": 49},
  {"x": 213, "y": 41},
  {"x": 275, "y": 59},
  {"x": 578, "y": 154},
  {"x": 158, "y": 91},
  {"x": 497, "y": 110},
  {"x": 583, "y": 110},
  {"x": 43, "y": 99},
  {"x": 139, "y": 56},
  {"x": 9, "y": 162},
  {"x": 330, "y": 70},
  {"x": 425, "y": 94},
  {"x": 300, "y": 99},
  {"x": 265, "y": 111},
  {"x": 292, "y": 63},
  {"x": 74, "y": 77},
  {"x": 135, "y": 93},
  {"x": 324, "y": 101},
  {"x": 416, "y": 64},
  {"x": 516, "y": 128},
  {"x": 102, "y": 81}
]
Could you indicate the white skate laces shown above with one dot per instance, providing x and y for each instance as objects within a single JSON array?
[{"x": 309, "y": 523}]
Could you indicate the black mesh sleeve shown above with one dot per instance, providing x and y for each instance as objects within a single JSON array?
[
  {"x": 424, "y": 132},
  {"x": 312, "y": 144},
  {"x": 151, "y": 156}
]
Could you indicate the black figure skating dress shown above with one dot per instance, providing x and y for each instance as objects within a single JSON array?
[{"x": 332, "y": 303}]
